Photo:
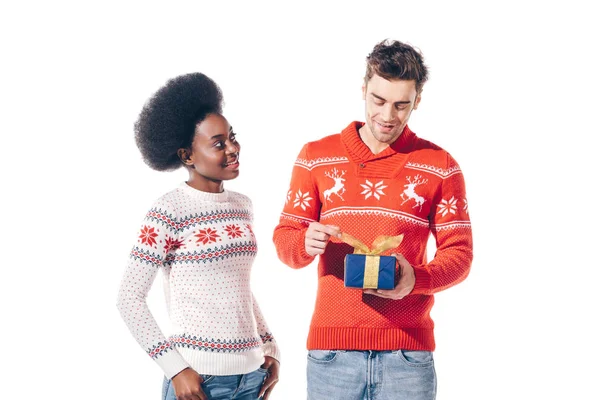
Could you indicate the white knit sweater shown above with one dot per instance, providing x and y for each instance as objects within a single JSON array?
[{"x": 204, "y": 245}]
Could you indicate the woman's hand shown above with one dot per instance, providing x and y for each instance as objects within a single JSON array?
[
  {"x": 272, "y": 366},
  {"x": 187, "y": 385}
]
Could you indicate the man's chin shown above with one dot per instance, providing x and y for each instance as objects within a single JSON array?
[{"x": 385, "y": 137}]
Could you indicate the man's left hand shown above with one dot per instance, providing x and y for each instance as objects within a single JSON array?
[{"x": 405, "y": 285}]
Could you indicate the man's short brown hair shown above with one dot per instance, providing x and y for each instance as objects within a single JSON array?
[{"x": 394, "y": 60}]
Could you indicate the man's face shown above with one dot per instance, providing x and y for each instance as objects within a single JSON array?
[{"x": 388, "y": 105}]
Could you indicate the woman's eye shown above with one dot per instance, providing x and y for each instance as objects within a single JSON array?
[
  {"x": 219, "y": 144},
  {"x": 233, "y": 137}
]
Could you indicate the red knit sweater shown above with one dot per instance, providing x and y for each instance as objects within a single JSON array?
[{"x": 413, "y": 187}]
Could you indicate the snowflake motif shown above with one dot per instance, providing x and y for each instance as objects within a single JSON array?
[
  {"x": 289, "y": 196},
  {"x": 172, "y": 244},
  {"x": 207, "y": 235},
  {"x": 147, "y": 235},
  {"x": 373, "y": 190},
  {"x": 233, "y": 231},
  {"x": 447, "y": 207},
  {"x": 466, "y": 206},
  {"x": 302, "y": 200},
  {"x": 249, "y": 227}
]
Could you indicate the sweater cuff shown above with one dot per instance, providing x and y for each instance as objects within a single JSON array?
[
  {"x": 172, "y": 363},
  {"x": 422, "y": 280},
  {"x": 305, "y": 257},
  {"x": 270, "y": 349}
]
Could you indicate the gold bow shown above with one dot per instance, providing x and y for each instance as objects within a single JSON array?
[{"x": 380, "y": 244}]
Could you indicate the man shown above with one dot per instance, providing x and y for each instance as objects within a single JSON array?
[{"x": 377, "y": 178}]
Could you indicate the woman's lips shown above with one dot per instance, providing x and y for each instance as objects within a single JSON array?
[{"x": 233, "y": 164}]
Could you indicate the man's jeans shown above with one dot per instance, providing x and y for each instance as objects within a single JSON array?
[
  {"x": 216, "y": 387},
  {"x": 370, "y": 375}
]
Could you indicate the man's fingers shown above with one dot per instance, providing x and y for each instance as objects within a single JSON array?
[
  {"x": 316, "y": 243},
  {"x": 401, "y": 260},
  {"x": 330, "y": 230},
  {"x": 377, "y": 293},
  {"x": 316, "y": 235},
  {"x": 387, "y": 294}
]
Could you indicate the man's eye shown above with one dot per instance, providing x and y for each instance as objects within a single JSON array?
[
  {"x": 219, "y": 144},
  {"x": 232, "y": 137},
  {"x": 401, "y": 107},
  {"x": 379, "y": 103}
]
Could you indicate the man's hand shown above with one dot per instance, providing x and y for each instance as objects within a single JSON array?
[
  {"x": 187, "y": 385},
  {"x": 316, "y": 237},
  {"x": 405, "y": 285},
  {"x": 271, "y": 365}
]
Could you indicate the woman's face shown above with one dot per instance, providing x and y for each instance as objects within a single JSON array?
[{"x": 215, "y": 151}]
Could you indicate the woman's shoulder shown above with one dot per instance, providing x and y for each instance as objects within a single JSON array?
[
  {"x": 239, "y": 198},
  {"x": 169, "y": 201}
]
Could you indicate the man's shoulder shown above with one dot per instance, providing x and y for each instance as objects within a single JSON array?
[
  {"x": 326, "y": 141},
  {"x": 328, "y": 146},
  {"x": 427, "y": 152},
  {"x": 333, "y": 143},
  {"x": 424, "y": 144}
]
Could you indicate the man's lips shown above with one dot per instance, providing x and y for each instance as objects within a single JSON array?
[{"x": 385, "y": 127}]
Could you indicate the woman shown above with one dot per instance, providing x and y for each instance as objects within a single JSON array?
[{"x": 200, "y": 236}]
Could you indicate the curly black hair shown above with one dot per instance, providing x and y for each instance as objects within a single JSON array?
[{"x": 168, "y": 120}]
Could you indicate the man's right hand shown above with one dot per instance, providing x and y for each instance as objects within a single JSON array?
[
  {"x": 187, "y": 385},
  {"x": 316, "y": 237}
]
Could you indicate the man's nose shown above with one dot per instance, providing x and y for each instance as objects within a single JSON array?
[{"x": 387, "y": 113}]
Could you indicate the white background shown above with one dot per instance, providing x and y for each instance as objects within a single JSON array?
[{"x": 513, "y": 96}]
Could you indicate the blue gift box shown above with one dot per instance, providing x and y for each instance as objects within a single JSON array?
[{"x": 369, "y": 272}]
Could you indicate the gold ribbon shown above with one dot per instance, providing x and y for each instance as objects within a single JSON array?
[
  {"x": 380, "y": 244},
  {"x": 371, "y": 276}
]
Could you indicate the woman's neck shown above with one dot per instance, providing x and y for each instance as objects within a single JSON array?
[{"x": 204, "y": 184}]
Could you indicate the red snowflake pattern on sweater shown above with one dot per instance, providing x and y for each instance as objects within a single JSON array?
[
  {"x": 249, "y": 227},
  {"x": 233, "y": 231},
  {"x": 172, "y": 244},
  {"x": 207, "y": 235},
  {"x": 147, "y": 235}
]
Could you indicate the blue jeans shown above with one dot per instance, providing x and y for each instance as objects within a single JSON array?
[
  {"x": 371, "y": 375},
  {"x": 225, "y": 387}
]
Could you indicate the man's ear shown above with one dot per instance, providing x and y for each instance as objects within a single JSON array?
[
  {"x": 185, "y": 156},
  {"x": 417, "y": 101}
]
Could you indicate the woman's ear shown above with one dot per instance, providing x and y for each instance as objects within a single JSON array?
[{"x": 185, "y": 156}]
